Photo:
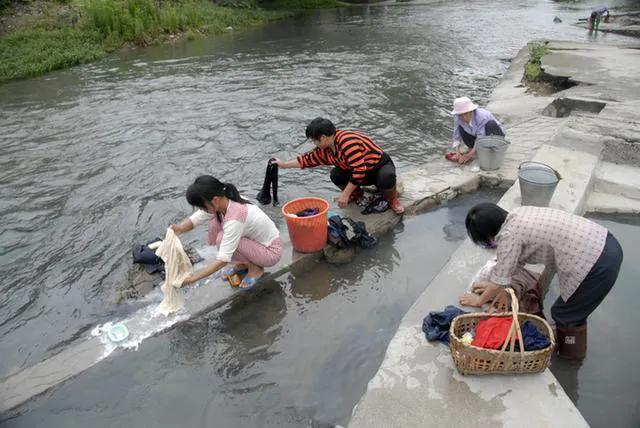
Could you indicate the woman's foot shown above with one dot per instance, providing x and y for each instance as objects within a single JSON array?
[
  {"x": 471, "y": 299},
  {"x": 227, "y": 271},
  {"x": 252, "y": 276}
]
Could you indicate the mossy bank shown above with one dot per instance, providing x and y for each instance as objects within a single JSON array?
[{"x": 40, "y": 36}]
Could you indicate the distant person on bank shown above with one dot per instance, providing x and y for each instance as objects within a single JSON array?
[
  {"x": 357, "y": 161},
  {"x": 469, "y": 123},
  {"x": 585, "y": 255},
  {"x": 246, "y": 238},
  {"x": 600, "y": 13}
]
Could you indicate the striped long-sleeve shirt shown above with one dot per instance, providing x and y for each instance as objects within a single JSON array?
[{"x": 355, "y": 152}]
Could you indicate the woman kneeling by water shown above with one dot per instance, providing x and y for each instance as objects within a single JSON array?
[
  {"x": 586, "y": 256},
  {"x": 470, "y": 122},
  {"x": 243, "y": 233}
]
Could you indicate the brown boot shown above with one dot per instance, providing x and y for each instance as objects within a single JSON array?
[
  {"x": 394, "y": 203},
  {"x": 572, "y": 342}
]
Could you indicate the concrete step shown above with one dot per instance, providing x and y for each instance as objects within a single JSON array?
[
  {"x": 613, "y": 179},
  {"x": 607, "y": 203}
]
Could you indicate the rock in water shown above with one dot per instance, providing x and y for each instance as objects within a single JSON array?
[{"x": 338, "y": 256}]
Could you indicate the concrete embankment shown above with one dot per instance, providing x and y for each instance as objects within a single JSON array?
[
  {"x": 424, "y": 188},
  {"x": 594, "y": 146}
]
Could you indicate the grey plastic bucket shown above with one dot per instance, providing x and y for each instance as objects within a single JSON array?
[
  {"x": 537, "y": 183},
  {"x": 491, "y": 150}
]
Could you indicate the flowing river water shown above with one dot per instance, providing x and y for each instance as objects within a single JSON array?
[{"x": 97, "y": 158}]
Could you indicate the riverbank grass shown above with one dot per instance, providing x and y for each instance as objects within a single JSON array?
[{"x": 85, "y": 30}]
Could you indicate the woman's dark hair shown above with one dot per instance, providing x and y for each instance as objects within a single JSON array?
[
  {"x": 484, "y": 222},
  {"x": 205, "y": 187},
  {"x": 318, "y": 127}
]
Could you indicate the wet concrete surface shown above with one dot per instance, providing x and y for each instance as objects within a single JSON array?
[
  {"x": 97, "y": 158},
  {"x": 298, "y": 353}
]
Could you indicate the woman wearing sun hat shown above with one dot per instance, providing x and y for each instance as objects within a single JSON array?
[{"x": 470, "y": 122}]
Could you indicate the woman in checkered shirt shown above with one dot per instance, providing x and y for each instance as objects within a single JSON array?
[{"x": 585, "y": 255}]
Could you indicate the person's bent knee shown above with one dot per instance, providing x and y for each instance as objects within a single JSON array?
[
  {"x": 339, "y": 177},
  {"x": 386, "y": 181},
  {"x": 492, "y": 128}
]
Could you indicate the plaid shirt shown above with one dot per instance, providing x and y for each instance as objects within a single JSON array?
[{"x": 567, "y": 243}]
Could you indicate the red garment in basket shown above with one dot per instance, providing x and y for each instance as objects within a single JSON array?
[{"x": 491, "y": 333}]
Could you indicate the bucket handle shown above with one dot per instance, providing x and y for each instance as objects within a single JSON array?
[{"x": 543, "y": 164}]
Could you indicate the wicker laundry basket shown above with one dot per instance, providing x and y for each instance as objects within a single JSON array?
[{"x": 471, "y": 359}]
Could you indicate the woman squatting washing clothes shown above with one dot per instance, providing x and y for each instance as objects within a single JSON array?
[
  {"x": 585, "y": 255},
  {"x": 244, "y": 235},
  {"x": 469, "y": 123},
  {"x": 356, "y": 159}
]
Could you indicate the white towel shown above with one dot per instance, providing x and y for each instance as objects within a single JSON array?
[{"x": 177, "y": 267}]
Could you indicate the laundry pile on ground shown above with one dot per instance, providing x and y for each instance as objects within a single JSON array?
[
  {"x": 489, "y": 334},
  {"x": 345, "y": 232}
]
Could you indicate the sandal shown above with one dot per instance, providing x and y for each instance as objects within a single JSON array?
[
  {"x": 249, "y": 282},
  {"x": 227, "y": 271}
]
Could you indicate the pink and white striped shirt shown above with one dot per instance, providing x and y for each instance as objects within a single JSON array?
[{"x": 240, "y": 221}]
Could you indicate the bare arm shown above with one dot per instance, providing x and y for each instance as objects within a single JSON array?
[
  {"x": 184, "y": 226},
  {"x": 489, "y": 292},
  {"x": 212, "y": 268},
  {"x": 293, "y": 163},
  {"x": 343, "y": 199}
]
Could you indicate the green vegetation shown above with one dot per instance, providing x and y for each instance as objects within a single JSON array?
[
  {"x": 532, "y": 70},
  {"x": 30, "y": 53},
  {"x": 64, "y": 34},
  {"x": 300, "y": 4}
]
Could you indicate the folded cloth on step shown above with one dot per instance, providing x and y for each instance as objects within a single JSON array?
[
  {"x": 177, "y": 267},
  {"x": 491, "y": 333},
  {"x": 436, "y": 325},
  {"x": 146, "y": 257},
  {"x": 345, "y": 232}
]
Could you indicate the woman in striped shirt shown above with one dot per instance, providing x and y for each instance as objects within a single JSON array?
[{"x": 356, "y": 159}]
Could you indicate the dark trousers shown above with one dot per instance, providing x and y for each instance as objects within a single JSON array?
[
  {"x": 490, "y": 128},
  {"x": 383, "y": 176},
  {"x": 592, "y": 290}
]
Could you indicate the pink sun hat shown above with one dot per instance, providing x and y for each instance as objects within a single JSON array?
[{"x": 463, "y": 105}]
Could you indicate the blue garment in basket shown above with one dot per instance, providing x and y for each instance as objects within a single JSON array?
[
  {"x": 532, "y": 338},
  {"x": 436, "y": 324}
]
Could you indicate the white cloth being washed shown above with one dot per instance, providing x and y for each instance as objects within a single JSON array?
[{"x": 176, "y": 267}]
